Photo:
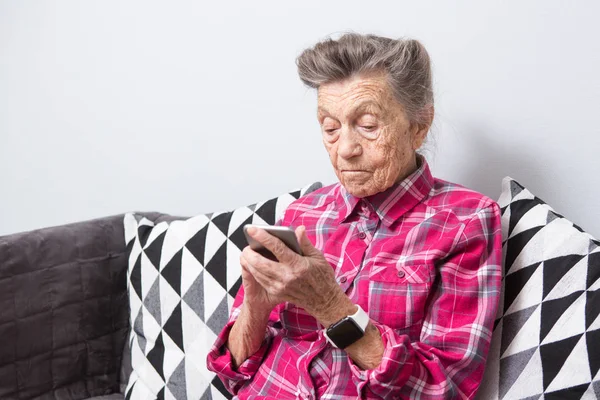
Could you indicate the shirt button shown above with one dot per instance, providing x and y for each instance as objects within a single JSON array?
[
  {"x": 343, "y": 279},
  {"x": 362, "y": 235},
  {"x": 401, "y": 274}
]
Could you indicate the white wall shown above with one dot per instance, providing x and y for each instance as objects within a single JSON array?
[{"x": 188, "y": 107}]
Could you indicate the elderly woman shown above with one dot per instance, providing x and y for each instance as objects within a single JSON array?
[{"x": 397, "y": 289}]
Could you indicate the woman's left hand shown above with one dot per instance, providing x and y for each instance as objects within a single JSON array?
[{"x": 307, "y": 281}]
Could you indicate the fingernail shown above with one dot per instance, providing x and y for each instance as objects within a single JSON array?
[{"x": 251, "y": 231}]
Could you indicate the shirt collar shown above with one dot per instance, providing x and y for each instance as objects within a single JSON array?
[{"x": 397, "y": 200}]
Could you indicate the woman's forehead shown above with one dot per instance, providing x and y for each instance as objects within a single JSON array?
[
  {"x": 368, "y": 94},
  {"x": 354, "y": 86}
]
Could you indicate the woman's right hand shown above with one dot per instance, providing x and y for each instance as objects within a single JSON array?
[
  {"x": 255, "y": 296},
  {"x": 248, "y": 331}
]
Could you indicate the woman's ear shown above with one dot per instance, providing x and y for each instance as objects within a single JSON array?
[{"x": 420, "y": 130}]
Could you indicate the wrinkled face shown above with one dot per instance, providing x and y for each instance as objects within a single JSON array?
[{"x": 371, "y": 143}]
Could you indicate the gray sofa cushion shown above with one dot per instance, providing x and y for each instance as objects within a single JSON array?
[
  {"x": 64, "y": 316},
  {"x": 114, "y": 396}
]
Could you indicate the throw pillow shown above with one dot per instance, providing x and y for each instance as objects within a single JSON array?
[
  {"x": 182, "y": 279},
  {"x": 546, "y": 341}
]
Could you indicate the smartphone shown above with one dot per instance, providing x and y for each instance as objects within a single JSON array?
[{"x": 283, "y": 233}]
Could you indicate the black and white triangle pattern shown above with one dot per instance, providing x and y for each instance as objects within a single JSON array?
[
  {"x": 182, "y": 279},
  {"x": 546, "y": 342}
]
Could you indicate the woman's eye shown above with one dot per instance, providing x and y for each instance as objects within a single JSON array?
[
  {"x": 330, "y": 134},
  {"x": 369, "y": 131}
]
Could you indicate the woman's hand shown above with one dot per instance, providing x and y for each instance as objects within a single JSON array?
[
  {"x": 255, "y": 296},
  {"x": 248, "y": 331},
  {"x": 307, "y": 281}
]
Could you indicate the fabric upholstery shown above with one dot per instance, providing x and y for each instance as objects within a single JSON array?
[
  {"x": 64, "y": 318},
  {"x": 183, "y": 277},
  {"x": 546, "y": 343},
  {"x": 114, "y": 396}
]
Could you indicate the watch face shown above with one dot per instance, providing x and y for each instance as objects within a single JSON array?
[{"x": 345, "y": 332}]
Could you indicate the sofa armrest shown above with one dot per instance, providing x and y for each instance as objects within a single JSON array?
[{"x": 63, "y": 310}]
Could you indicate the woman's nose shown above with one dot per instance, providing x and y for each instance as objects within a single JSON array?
[{"x": 348, "y": 144}]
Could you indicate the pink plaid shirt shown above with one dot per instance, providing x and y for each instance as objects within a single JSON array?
[{"x": 423, "y": 259}]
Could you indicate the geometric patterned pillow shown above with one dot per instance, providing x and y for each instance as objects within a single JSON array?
[
  {"x": 546, "y": 341},
  {"x": 182, "y": 279}
]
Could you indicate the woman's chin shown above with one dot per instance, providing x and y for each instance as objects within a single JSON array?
[
  {"x": 359, "y": 189},
  {"x": 358, "y": 184}
]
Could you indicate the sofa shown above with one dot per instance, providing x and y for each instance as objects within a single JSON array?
[
  {"x": 67, "y": 331},
  {"x": 64, "y": 311}
]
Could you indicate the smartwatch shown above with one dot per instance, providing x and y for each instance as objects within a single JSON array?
[{"x": 348, "y": 330}]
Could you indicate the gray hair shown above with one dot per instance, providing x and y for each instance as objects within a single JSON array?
[{"x": 405, "y": 62}]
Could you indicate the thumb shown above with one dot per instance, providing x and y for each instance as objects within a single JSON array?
[{"x": 305, "y": 245}]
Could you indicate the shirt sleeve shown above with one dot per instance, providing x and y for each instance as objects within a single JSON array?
[
  {"x": 220, "y": 360},
  {"x": 449, "y": 359}
]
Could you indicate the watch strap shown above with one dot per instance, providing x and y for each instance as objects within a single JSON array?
[{"x": 361, "y": 318}]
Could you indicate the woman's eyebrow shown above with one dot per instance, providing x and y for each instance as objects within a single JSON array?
[
  {"x": 321, "y": 112},
  {"x": 368, "y": 106}
]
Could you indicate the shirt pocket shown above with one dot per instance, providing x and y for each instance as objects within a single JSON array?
[{"x": 398, "y": 293}]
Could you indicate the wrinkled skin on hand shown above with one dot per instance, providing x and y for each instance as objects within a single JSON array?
[{"x": 307, "y": 281}]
